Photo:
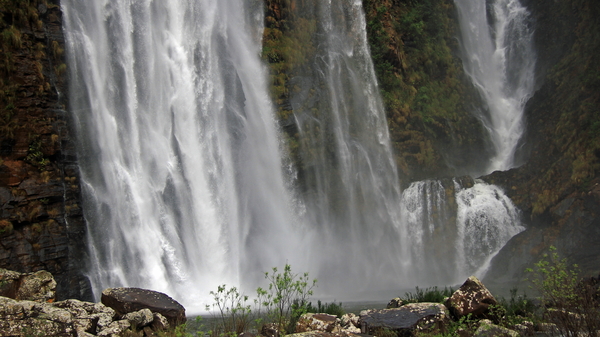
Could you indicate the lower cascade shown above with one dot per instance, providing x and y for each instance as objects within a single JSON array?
[
  {"x": 187, "y": 183},
  {"x": 456, "y": 227}
]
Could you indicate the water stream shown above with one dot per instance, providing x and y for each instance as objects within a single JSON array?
[
  {"x": 185, "y": 178},
  {"x": 499, "y": 57}
]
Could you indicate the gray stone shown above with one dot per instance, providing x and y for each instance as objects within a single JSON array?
[
  {"x": 39, "y": 286},
  {"x": 140, "y": 318},
  {"x": 126, "y": 300},
  {"x": 115, "y": 328},
  {"x": 408, "y": 318},
  {"x": 487, "y": 329},
  {"x": 317, "y": 322},
  {"x": 159, "y": 323}
]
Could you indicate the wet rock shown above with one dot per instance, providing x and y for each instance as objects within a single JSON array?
[
  {"x": 471, "y": 298},
  {"x": 317, "y": 322},
  {"x": 487, "y": 329},
  {"x": 39, "y": 286},
  {"x": 159, "y": 323},
  {"x": 350, "y": 323},
  {"x": 270, "y": 330},
  {"x": 140, "y": 318},
  {"x": 126, "y": 300},
  {"x": 394, "y": 303},
  {"x": 409, "y": 319},
  {"x": 115, "y": 328}
]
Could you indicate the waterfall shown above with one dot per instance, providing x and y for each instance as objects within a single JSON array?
[
  {"x": 352, "y": 188},
  {"x": 180, "y": 157},
  {"x": 185, "y": 178},
  {"x": 456, "y": 226},
  {"x": 499, "y": 57}
]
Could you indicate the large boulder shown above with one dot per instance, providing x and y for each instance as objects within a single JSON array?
[
  {"x": 39, "y": 286},
  {"x": 406, "y": 320},
  {"x": 128, "y": 300},
  {"x": 471, "y": 298}
]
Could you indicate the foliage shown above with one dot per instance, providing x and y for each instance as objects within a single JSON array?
[
  {"x": 6, "y": 227},
  {"x": 431, "y": 294},
  {"x": 518, "y": 305},
  {"x": 281, "y": 303},
  {"x": 327, "y": 308},
  {"x": 286, "y": 296},
  {"x": 35, "y": 155},
  {"x": 570, "y": 303},
  {"x": 425, "y": 91},
  {"x": 233, "y": 312}
]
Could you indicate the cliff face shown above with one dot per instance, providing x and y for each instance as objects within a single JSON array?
[
  {"x": 558, "y": 188},
  {"x": 430, "y": 102},
  {"x": 42, "y": 225}
]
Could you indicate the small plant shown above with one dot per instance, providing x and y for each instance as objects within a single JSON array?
[
  {"x": 35, "y": 155},
  {"x": 431, "y": 294},
  {"x": 6, "y": 227},
  {"x": 570, "y": 303},
  {"x": 232, "y": 311},
  {"x": 286, "y": 297},
  {"x": 327, "y": 308}
]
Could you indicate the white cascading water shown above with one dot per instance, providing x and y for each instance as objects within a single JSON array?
[
  {"x": 499, "y": 57},
  {"x": 181, "y": 161},
  {"x": 352, "y": 192}
]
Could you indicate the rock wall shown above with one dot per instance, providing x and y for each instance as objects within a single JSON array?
[
  {"x": 558, "y": 189},
  {"x": 41, "y": 224}
]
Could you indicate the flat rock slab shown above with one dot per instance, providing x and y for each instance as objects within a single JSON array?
[
  {"x": 414, "y": 316},
  {"x": 126, "y": 300}
]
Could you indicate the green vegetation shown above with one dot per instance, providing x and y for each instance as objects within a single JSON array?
[
  {"x": 431, "y": 294},
  {"x": 278, "y": 306},
  {"x": 425, "y": 92},
  {"x": 571, "y": 303},
  {"x": 327, "y": 308}
]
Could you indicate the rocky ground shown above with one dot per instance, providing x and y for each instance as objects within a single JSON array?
[{"x": 28, "y": 308}]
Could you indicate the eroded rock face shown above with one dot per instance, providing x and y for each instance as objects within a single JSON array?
[
  {"x": 471, "y": 298},
  {"x": 39, "y": 286},
  {"x": 405, "y": 320},
  {"x": 127, "y": 300},
  {"x": 73, "y": 318}
]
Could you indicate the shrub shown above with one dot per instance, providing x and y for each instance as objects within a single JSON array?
[
  {"x": 286, "y": 297},
  {"x": 327, "y": 308},
  {"x": 570, "y": 303},
  {"x": 233, "y": 314},
  {"x": 431, "y": 294}
]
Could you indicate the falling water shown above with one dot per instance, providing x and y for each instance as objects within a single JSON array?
[
  {"x": 456, "y": 226},
  {"x": 182, "y": 165},
  {"x": 499, "y": 57},
  {"x": 180, "y": 157},
  {"x": 352, "y": 189}
]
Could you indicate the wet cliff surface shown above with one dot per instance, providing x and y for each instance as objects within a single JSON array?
[
  {"x": 558, "y": 188},
  {"x": 42, "y": 224}
]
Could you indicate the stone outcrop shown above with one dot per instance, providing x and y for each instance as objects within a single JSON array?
[
  {"x": 472, "y": 298},
  {"x": 317, "y": 322},
  {"x": 39, "y": 286},
  {"x": 488, "y": 329},
  {"x": 39, "y": 187},
  {"x": 74, "y": 318},
  {"x": 128, "y": 300},
  {"x": 406, "y": 319}
]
